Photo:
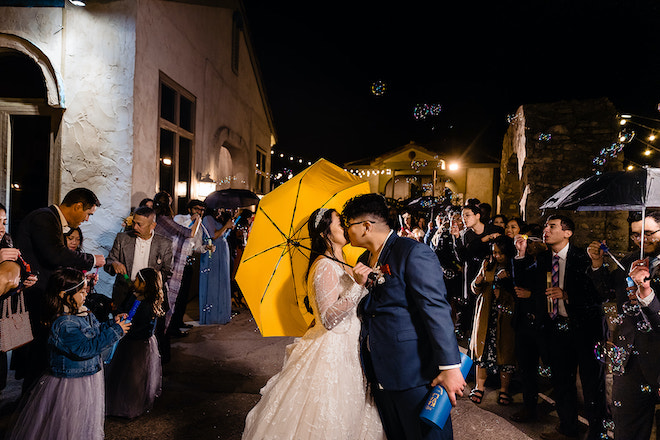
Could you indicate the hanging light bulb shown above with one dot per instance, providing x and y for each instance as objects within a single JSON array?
[
  {"x": 647, "y": 152},
  {"x": 652, "y": 137}
]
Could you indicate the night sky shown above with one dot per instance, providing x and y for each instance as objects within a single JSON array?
[{"x": 479, "y": 61}]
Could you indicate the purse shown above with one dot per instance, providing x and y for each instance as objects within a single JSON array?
[{"x": 15, "y": 329}]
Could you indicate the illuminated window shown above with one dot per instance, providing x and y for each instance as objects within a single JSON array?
[{"x": 176, "y": 139}]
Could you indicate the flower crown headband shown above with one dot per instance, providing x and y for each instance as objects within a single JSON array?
[{"x": 319, "y": 216}]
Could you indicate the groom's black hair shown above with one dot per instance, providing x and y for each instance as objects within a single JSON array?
[{"x": 366, "y": 204}]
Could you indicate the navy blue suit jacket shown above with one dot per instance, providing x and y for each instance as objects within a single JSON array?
[{"x": 407, "y": 330}]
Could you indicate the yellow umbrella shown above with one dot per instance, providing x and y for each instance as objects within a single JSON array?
[{"x": 272, "y": 270}]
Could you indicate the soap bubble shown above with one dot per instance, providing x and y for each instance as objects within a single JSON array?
[
  {"x": 631, "y": 309},
  {"x": 545, "y": 371},
  {"x": 643, "y": 326}
]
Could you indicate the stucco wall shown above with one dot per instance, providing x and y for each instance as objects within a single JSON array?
[{"x": 192, "y": 45}]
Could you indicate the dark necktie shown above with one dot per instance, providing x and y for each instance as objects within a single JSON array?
[{"x": 555, "y": 283}]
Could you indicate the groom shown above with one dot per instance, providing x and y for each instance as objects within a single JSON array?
[{"x": 407, "y": 343}]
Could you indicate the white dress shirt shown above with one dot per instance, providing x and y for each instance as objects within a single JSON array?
[{"x": 141, "y": 255}]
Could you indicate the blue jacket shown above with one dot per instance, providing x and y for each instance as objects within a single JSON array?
[
  {"x": 407, "y": 330},
  {"x": 76, "y": 342}
]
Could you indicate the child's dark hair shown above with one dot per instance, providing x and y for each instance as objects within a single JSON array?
[
  {"x": 153, "y": 291},
  {"x": 506, "y": 246},
  {"x": 67, "y": 280}
]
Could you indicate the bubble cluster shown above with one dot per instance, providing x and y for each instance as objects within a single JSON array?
[
  {"x": 207, "y": 308},
  {"x": 614, "y": 356},
  {"x": 417, "y": 164},
  {"x": 423, "y": 111},
  {"x": 378, "y": 88},
  {"x": 644, "y": 326},
  {"x": 545, "y": 137},
  {"x": 563, "y": 326},
  {"x": 645, "y": 388},
  {"x": 631, "y": 309},
  {"x": 608, "y": 152},
  {"x": 616, "y": 320},
  {"x": 504, "y": 310},
  {"x": 617, "y": 403}
]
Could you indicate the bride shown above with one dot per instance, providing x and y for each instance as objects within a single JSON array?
[{"x": 321, "y": 392}]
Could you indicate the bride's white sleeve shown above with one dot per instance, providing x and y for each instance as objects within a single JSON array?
[{"x": 333, "y": 302}]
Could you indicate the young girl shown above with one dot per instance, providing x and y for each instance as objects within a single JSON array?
[
  {"x": 492, "y": 341},
  {"x": 134, "y": 376},
  {"x": 69, "y": 401}
]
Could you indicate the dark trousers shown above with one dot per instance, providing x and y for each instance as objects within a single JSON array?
[
  {"x": 399, "y": 412},
  {"x": 528, "y": 351},
  {"x": 634, "y": 396},
  {"x": 184, "y": 293},
  {"x": 568, "y": 349}
]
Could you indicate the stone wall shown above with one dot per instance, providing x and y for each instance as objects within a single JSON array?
[{"x": 546, "y": 147}]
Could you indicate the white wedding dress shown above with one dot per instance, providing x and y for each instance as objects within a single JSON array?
[{"x": 321, "y": 391}]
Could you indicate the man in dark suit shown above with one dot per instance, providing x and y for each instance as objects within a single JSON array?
[
  {"x": 407, "y": 341},
  {"x": 635, "y": 363},
  {"x": 571, "y": 327},
  {"x": 135, "y": 250},
  {"x": 42, "y": 244}
]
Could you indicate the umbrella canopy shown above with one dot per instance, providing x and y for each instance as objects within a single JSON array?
[
  {"x": 231, "y": 198},
  {"x": 634, "y": 190},
  {"x": 614, "y": 191},
  {"x": 271, "y": 274}
]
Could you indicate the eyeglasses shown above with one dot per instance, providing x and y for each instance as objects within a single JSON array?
[
  {"x": 348, "y": 225},
  {"x": 647, "y": 234}
]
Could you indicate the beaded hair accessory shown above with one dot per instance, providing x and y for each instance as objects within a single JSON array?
[
  {"x": 319, "y": 216},
  {"x": 76, "y": 287}
]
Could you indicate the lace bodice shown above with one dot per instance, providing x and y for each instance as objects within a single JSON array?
[{"x": 333, "y": 293}]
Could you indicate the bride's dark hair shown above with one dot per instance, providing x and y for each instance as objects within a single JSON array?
[{"x": 318, "y": 235}]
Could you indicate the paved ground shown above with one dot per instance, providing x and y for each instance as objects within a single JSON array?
[{"x": 214, "y": 379}]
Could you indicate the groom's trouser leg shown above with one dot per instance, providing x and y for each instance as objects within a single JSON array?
[{"x": 399, "y": 412}]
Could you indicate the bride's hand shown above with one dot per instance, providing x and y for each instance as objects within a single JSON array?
[{"x": 361, "y": 273}]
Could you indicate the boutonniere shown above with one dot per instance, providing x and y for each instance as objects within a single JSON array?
[{"x": 378, "y": 275}]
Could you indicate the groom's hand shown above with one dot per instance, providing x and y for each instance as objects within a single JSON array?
[{"x": 452, "y": 381}]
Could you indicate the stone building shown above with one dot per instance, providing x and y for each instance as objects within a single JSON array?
[
  {"x": 128, "y": 97},
  {"x": 413, "y": 171},
  {"x": 548, "y": 146}
]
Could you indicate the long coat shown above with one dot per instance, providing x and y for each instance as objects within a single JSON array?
[{"x": 505, "y": 336}]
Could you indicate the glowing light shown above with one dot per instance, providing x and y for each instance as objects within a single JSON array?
[
  {"x": 630, "y": 167},
  {"x": 166, "y": 161},
  {"x": 623, "y": 122},
  {"x": 453, "y": 166},
  {"x": 652, "y": 137},
  {"x": 77, "y": 2},
  {"x": 647, "y": 152}
]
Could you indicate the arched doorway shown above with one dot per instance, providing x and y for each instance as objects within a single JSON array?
[{"x": 30, "y": 114}]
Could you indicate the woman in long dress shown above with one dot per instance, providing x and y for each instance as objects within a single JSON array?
[
  {"x": 214, "y": 271},
  {"x": 321, "y": 392}
]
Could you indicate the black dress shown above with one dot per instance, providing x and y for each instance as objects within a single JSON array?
[{"x": 134, "y": 376}]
